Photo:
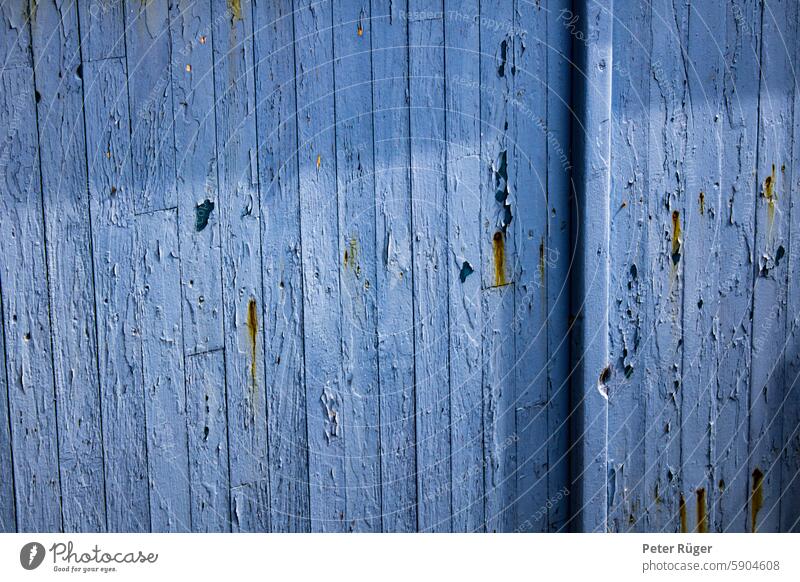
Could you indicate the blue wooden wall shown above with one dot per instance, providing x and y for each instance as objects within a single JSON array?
[
  {"x": 399, "y": 265},
  {"x": 688, "y": 143},
  {"x": 280, "y": 265}
]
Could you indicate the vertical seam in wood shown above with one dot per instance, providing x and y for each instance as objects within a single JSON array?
[
  {"x": 483, "y": 262},
  {"x": 260, "y": 258},
  {"x": 302, "y": 265},
  {"x": 413, "y": 295},
  {"x": 377, "y": 262},
  {"x": 8, "y": 407},
  {"x": 221, "y": 272}
]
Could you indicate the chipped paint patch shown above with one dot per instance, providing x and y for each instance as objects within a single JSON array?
[
  {"x": 701, "y": 200},
  {"x": 756, "y": 498},
  {"x": 235, "y": 8},
  {"x": 466, "y": 271},
  {"x": 676, "y": 238},
  {"x": 202, "y": 213},
  {"x": 499, "y": 252},
  {"x": 772, "y": 197}
]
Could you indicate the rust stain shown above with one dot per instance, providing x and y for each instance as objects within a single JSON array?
[
  {"x": 757, "y": 498},
  {"x": 319, "y": 160},
  {"x": 351, "y": 255},
  {"x": 676, "y": 237},
  {"x": 252, "y": 328},
  {"x": 702, "y": 513},
  {"x": 235, "y": 8},
  {"x": 682, "y": 510},
  {"x": 360, "y": 30},
  {"x": 702, "y": 201},
  {"x": 772, "y": 197},
  {"x": 499, "y": 251}
]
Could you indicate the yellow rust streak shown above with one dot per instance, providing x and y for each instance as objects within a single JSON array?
[
  {"x": 702, "y": 512},
  {"x": 682, "y": 511},
  {"x": 252, "y": 328},
  {"x": 499, "y": 251},
  {"x": 757, "y": 498},
  {"x": 772, "y": 197},
  {"x": 235, "y": 7}
]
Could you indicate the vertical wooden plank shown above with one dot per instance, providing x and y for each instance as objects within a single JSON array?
[
  {"x": 15, "y": 35},
  {"x": 462, "y": 83},
  {"x": 701, "y": 222},
  {"x": 111, "y": 195},
  {"x": 244, "y": 309},
  {"x": 59, "y": 90},
  {"x": 628, "y": 500},
  {"x": 528, "y": 163},
  {"x": 592, "y": 147},
  {"x": 150, "y": 92},
  {"x": 321, "y": 260},
  {"x": 102, "y": 25},
  {"x": 500, "y": 269},
  {"x": 790, "y": 453},
  {"x": 429, "y": 263},
  {"x": 29, "y": 364},
  {"x": 192, "y": 79},
  {"x": 352, "y": 34},
  {"x": 666, "y": 211},
  {"x": 8, "y": 514},
  {"x": 158, "y": 276},
  {"x": 389, "y": 43},
  {"x": 558, "y": 258},
  {"x": 736, "y": 239},
  {"x": 768, "y": 387},
  {"x": 208, "y": 442},
  {"x": 282, "y": 269}
]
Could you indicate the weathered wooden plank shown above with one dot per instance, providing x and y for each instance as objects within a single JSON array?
[
  {"x": 774, "y": 151},
  {"x": 29, "y": 364},
  {"x": 701, "y": 221},
  {"x": 208, "y": 442},
  {"x": 462, "y": 84},
  {"x": 15, "y": 35},
  {"x": 558, "y": 258},
  {"x": 192, "y": 77},
  {"x": 57, "y": 75},
  {"x": 592, "y": 152},
  {"x": 628, "y": 327},
  {"x": 529, "y": 331},
  {"x": 282, "y": 269},
  {"x": 393, "y": 235},
  {"x": 102, "y": 25},
  {"x": 147, "y": 43},
  {"x": 158, "y": 276},
  {"x": 666, "y": 211},
  {"x": 736, "y": 238},
  {"x": 111, "y": 195},
  {"x": 790, "y": 453},
  {"x": 8, "y": 513},
  {"x": 355, "y": 183},
  {"x": 429, "y": 263},
  {"x": 499, "y": 396},
  {"x": 500, "y": 268},
  {"x": 244, "y": 308},
  {"x": 321, "y": 260}
]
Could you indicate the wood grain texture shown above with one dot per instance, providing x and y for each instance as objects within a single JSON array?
[
  {"x": 282, "y": 270},
  {"x": 59, "y": 90}
]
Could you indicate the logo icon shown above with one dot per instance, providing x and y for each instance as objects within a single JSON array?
[{"x": 31, "y": 555}]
